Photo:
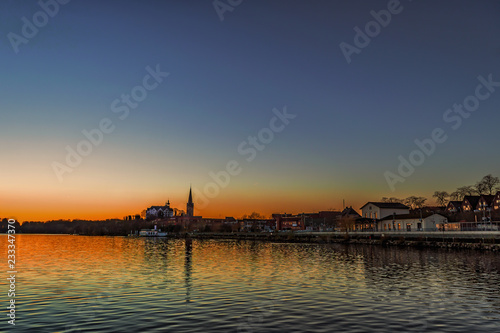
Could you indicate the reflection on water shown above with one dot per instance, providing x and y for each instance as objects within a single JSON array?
[{"x": 116, "y": 284}]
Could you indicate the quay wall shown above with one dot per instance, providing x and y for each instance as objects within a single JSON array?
[{"x": 479, "y": 240}]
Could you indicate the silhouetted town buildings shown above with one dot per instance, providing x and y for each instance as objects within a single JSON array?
[{"x": 375, "y": 216}]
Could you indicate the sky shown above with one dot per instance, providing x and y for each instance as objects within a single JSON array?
[{"x": 267, "y": 106}]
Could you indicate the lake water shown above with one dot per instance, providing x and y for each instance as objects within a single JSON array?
[{"x": 119, "y": 284}]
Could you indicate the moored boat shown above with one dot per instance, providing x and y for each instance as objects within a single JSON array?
[{"x": 152, "y": 233}]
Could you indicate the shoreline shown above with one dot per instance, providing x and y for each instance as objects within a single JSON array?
[
  {"x": 489, "y": 241},
  {"x": 469, "y": 240}
]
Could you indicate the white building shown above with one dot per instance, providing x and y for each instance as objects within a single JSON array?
[
  {"x": 160, "y": 211},
  {"x": 413, "y": 222},
  {"x": 380, "y": 210}
]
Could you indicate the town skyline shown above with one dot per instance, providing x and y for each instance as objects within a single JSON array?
[{"x": 487, "y": 185}]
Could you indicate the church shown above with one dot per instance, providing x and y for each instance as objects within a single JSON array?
[{"x": 166, "y": 211}]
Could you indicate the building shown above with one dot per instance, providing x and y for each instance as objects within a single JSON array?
[
  {"x": 190, "y": 205},
  {"x": 289, "y": 222},
  {"x": 412, "y": 222},
  {"x": 470, "y": 202},
  {"x": 349, "y": 220},
  {"x": 496, "y": 201},
  {"x": 349, "y": 212},
  {"x": 380, "y": 210},
  {"x": 325, "y": 220},
  {"x": 264, "y": 225},
  {"x": 454, "y": 207},
  {"x": 160, "y": 212},
  {"x": 485, "y": 202}
]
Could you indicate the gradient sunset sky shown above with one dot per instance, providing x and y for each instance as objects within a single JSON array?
[{"x": 225, "y": 78}]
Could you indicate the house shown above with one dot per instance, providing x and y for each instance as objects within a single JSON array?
[
  {"x": 348, "y": 219},
  {"x": 412, "y": 222},
  {"x": 349, "y": 212},
  {"x": 379, "y": 210},
  {"x": 289, "y": 222},
  {"x": 496, "y": 201},
  {"x": 454, "y": 207},
  {"x": 160, "y": 211},
  {"x": 485, "y": 202},
  {"x": 470, "y": 202},
  {"x": 321, "y": 221}
]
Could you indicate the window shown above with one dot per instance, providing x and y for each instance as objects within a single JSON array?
[
  {"x": 399, "y": 226},
  {"x": 375, "y": 214},
  {"x": 385, "y": 227}
]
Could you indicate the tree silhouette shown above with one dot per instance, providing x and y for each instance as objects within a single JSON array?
[
  {"x": 489, "y": 183},
  {"x": 441, "y": 197}
]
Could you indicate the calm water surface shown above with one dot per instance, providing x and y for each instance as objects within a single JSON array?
[{"x": 116, "y": 284}]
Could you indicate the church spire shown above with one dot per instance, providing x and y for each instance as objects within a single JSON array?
[{"x": 190, "y": 204}]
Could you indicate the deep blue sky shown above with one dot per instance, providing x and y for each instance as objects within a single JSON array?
[{"x": 353, "y": 120}]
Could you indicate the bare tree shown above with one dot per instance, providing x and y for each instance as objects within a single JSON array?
[
  {"x": 415, "y": 202},
  {"x": 480, "y": 188},
  {"x": 392, "y": 199},
  {"x": 346, "y": 223},
  {"x": 441, "y": 197},
  {"x": 456, "y": 196},
  {"x": 254, "y": 215},
  {"x": 489, "y": 183},
  {"x": 466, "y": 190}
]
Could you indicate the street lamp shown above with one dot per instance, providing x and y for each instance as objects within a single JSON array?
[
  {"x": 421, "y": 224},
  {"x": 491, "y": 224}
]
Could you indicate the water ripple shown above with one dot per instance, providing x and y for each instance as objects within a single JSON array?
[{"x": 117, "y": 284}]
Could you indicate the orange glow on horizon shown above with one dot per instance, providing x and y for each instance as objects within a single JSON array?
[{"x": 86, "y": 202}]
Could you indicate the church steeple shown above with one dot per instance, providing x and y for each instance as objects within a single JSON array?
[{"x": 190, "y": 205}]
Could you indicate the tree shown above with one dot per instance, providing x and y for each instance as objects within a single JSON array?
[
  {"x": 456, "y": 196},
  {"x": 254, "y": 215},
  {"x": 489, "y": 183},
  {"x": 347, "y": 223},
  {"x": 480, "y": 188},
  {"x": 461, "y": 192},
  {"x": 441, "y": 197},
  {"x": 392, "y": 199},
  {"x": 415, "y": 202}
]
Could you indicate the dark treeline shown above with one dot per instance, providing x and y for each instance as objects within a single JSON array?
[{"x": 81, "y": 227}]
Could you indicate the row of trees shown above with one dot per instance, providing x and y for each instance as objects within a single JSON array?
[
  {"x": 254, "y": 215},
  {"x": 81, "y": 227},
  {"x": 413, "y": 202},
  {"x": 488, "y": 185}
]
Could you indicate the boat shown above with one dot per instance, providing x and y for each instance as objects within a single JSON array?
[{"x": 152, "y": 233}]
